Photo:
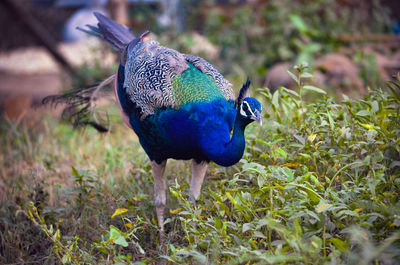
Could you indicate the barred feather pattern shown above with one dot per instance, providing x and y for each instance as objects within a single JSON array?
[
  {"x": 148, "y": 73},
  {"x": 150, "y": 69}
]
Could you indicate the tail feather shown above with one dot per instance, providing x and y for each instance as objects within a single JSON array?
[
  {"x": 119, "y": 36},
  {"x": 80, "y": 106},
  {"x": 93, "y": 32}
]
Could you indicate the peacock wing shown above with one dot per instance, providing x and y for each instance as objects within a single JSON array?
[
  {"x": 158, "y": 77},
  {"x": 149, "y": 71}
]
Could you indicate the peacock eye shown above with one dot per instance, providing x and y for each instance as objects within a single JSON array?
[{"x": 245, "y": 107}]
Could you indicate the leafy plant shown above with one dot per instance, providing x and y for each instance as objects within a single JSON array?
[
  {"x": 255, "y": 36},
  {"x": 317, "y": 185}
]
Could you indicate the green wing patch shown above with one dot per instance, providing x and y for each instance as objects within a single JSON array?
[{"x": 194, "y": 86}]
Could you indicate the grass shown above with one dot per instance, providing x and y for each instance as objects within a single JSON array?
[{"x": 318, "y": 184}]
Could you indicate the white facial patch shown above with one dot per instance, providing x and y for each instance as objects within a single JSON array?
[{"x": 243, "y": 113}]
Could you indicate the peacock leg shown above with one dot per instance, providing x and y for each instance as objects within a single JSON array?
[
  {"x": 198, "y": 172},
  {"x": 159, "y": 191}
]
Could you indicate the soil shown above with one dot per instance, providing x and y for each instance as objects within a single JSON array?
[
  {"x": 21, "y": 94},
  {"x": 29, "y": 74}
]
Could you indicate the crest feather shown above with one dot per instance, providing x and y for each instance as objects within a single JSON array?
[{"x": 244, "y": 92}]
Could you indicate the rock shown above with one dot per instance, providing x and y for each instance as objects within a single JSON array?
[
  {"x": 383, "y": 63},
  {"x": 32, "y": 60},
  {"x": 203, "y": 46},
  {"x": 338, "y": 71},
  {"x": 16, "y": 107},
  {"x": 277, "y": 76},
  {"x": 21, "y": 96},
  {"x": 80, "y": 18},
  {"x": 394, "y": 68}
]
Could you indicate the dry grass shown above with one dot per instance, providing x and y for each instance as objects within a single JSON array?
[{"x": 36, "y": 167}]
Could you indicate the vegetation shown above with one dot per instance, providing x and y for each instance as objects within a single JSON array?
[
  {"x": 318, "y": 184},
  {"x": 256, "y": 36}
]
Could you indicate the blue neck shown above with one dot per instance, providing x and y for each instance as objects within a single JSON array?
[{"x": 229, "y": 153}]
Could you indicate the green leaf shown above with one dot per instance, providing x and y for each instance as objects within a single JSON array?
[
  {"x": 216, "y": 196},
  {"x": 114, "y": 232},
  {"x": 217, "y": 223},
  {"x": 293, "y": 76},
  {"x": 65, "y": 259},
  {"x": 275, "y": 99},
  {"x": 260, "y": 181},
  {"x": 281, "y": 152},
  {"x": 323, "y": 207},
  {"x": 367, "y": 160},
  {"x": 363, "y": 113},
  {"x": 297, "y": 228},
  {"x": 259, "y": 235},
  {"x": 315, "y": 197},
  {"x": 75, "y": 172},
  {"x": 339, "y": 244},
  {"x": 176, "y": 194},
  {"x": 121, "y": 241},
  {"x": 394, "y": 164},
  {"x": 239, "y": 207},
  {"x": 289, "y": 91},
  {"x": 331, "y": 121},
  {"x": 306, "y": 156},
  {"x": 288, "y": 173},
  {"x": 306, "y": 75},
  {"x": 315, "y": 180},
  {"x": 116, "y": 235},
  {"x": 200, "y": 258},
  {"x": 247, "y": 226},
  {"x": 173, "y": 249},
  {"x": 298, "y": 23},
  {"x": 314, "y": 88},
  {"x": 374, "y": 106},
  {"x": 316, "y": 242},
  {"x": 56, "y": 235}
]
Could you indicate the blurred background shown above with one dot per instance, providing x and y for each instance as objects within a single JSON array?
[{"x": 350, "y": 45}]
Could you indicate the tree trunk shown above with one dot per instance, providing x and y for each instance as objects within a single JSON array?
[{"x": 119, "y": 11}]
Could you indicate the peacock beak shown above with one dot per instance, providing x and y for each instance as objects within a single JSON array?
[{"x": 257, "y": 117}]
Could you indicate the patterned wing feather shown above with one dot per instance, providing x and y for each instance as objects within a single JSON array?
[
  {"x": 148, "y": 73},
  {"x": 158, "y": 77}
]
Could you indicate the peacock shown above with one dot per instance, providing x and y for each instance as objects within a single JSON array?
[{"x": 179, "y": 106}]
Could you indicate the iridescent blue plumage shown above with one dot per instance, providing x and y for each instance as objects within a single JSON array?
[{"x": 197, "y": 130}]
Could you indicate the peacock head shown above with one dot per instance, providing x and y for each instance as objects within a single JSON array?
[{"x": 250, "y": 110}]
